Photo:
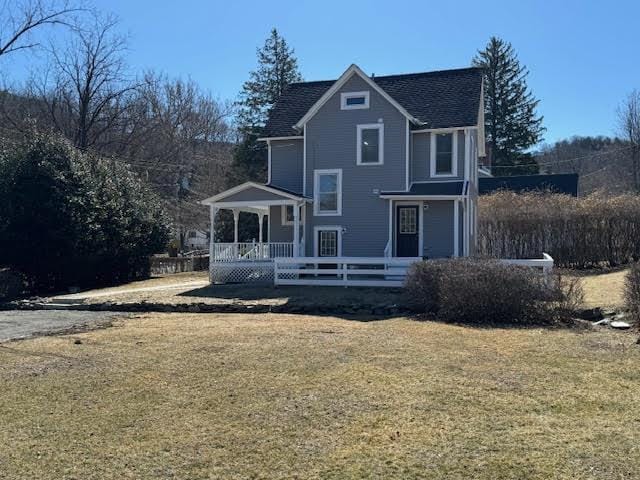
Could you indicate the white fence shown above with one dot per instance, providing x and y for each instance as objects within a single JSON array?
[
  {"x": 251, "y": 251},
  {"x": 363, "y": 272},
  {"x": 342, "y": 271},
  {"x": 545, "y": 263}
]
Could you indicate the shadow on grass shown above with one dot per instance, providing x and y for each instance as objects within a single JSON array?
[{"x": 352, "y": 303}]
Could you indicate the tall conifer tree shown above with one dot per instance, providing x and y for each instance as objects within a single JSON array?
[
  {"x": 277, "y": 68},
  {"x": 511, "y": 122}
]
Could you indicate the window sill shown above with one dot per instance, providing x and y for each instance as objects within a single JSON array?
[
  {"x": 327, "y": 214},
  {"x": 444, "y": 175}
]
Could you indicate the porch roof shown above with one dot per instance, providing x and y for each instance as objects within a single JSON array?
[
  {"x": 252, "y": 196},
  {"x": 431, "y": 190}
]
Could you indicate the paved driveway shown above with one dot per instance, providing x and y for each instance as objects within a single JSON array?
[{"x": 15, "y": 324}]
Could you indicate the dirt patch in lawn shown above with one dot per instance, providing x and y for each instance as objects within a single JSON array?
[{"x": 284, "y": 396}]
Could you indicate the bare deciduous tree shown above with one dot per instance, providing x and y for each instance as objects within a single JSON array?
[
  {"x": 85, "y": 92},
  {"x": 19, "y": 20},
  {"x": 629, "y": 126}
]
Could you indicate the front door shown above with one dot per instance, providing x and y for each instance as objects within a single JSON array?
[{"x": 407, "y": 228}]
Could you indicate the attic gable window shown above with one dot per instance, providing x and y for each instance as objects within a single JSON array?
[{"x": 354, "y": 100}]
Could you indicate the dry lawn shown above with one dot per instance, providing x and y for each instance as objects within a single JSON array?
[
  {"x": 267, "y": 396},
  {"x": 602, "y": 289}
]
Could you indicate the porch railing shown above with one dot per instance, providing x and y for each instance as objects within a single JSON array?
[{"x": 251, "y": 251}]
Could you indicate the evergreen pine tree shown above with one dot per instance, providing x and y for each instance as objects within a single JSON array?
[
  {"x": 277, "y": 68},
  {"x": 512, "y": 125}
]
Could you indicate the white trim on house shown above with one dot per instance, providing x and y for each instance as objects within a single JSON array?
[
  {"x": 247, "y": 185},
  {"x": 370, "y": 126},
  {"x": 304, "y": 162},
  {"x": 481, "y": 132},
  {"x": 352, "y": 70},
  {"x": 456, "y": 229},
  {"x": 454, "y": 154},
  {"x": 319, "y": 228},
  {"x": 268, "y": 161},
  {"x": 283, "y": 216},
  {"x": 292, "y": 137},
  {"x": 316, "y": 191},
  {"x": 347, "y": 95},
  {"x": 407, "y": 156}
]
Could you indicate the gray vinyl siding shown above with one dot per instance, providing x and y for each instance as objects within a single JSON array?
[
  {"x": 438, "y": 229},
  {"x": 286, "y": 164},
  {"x": 331, "y": 144},
  {"x": 252, "y": 195},
  {"x": 277, "y": 231},
  {"x": 421, "y": 158}
]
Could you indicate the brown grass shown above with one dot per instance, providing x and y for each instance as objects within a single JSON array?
[
  {"x": 266, "y": 396},
  {"x": 602, "y": 289}
]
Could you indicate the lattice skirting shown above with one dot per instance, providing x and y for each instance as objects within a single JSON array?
[{"x": 241, "y": 272}]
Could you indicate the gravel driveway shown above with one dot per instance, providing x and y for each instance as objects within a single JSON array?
[{"x": 16, "y": 324}]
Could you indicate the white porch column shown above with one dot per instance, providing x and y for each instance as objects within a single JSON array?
[
  {"x": 260, "y": 220},
  {"x": 296, "y": 228},
  {"x": 236, "y": 217},
  {"x": 212, "y": 213}
]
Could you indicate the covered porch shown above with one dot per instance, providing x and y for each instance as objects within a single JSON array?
[{"x": 253, "y": 260}]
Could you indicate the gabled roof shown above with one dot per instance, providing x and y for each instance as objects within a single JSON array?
[
  {"x": 352, "y": 70},
  {"x": 566, "y": 183},
  {"x": 285, "y": 194},
  {"x": 441, "y": 99}
]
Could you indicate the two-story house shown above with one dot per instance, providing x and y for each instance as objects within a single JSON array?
[{"x": 364, "y": 166}]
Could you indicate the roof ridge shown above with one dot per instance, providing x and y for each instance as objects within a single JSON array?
[{"x": 395, "y": 75}]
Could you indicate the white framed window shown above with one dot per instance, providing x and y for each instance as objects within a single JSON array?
[
  {"x": 327, "y": 241},
  {"x": 444, "y": 154},
  {"x": 370, "y": 144},
  {"x": 354, "y": 100},
  {"x": 286, "y": 212},
  {"x": 327, "y": 192}
]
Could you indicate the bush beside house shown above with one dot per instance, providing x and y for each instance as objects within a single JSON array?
[
  {"x": 478, "y": 291},
  {"x": 577, "y": 232},
  {"x": 632, "y": 291},
  {"x": 73, "y": 219}
]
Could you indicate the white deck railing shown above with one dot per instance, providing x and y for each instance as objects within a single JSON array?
[
  {"x": 251, "y": 251},
  {"x": 342, "y": 271},
  {"x": 365, "y": 272}
]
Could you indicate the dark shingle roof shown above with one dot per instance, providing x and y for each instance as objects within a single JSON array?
[
  {"x": 446, "y": 98},
  {"x": 432, "y": 188},
  {"x": 566, "y": 183}
]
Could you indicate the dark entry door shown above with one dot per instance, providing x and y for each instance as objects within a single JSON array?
[{"x": 407, "y": 228}]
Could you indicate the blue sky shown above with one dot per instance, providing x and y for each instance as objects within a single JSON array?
[{"x": 583, "y": 56}]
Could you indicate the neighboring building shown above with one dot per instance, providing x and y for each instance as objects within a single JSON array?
[
  {"x": 367, "y": 167},
  {"x": 196, "y": 240},
  {"x": 566, "y": 183}
]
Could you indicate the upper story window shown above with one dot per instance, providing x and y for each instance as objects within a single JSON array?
[
  {"x": 327, "y": 192},
  {"x": 444, "y": 148},
  {"x": 354, "y": 100},
  {"x": 370, "y": 144}
]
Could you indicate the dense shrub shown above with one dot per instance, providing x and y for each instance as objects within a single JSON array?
[
  {"x": 12, "y": 285},
  {"x": 69, "y": 218},
  {"x": 488, "y": 292},
  {"x": 632, "y": 291},
  {"x": 576, "y": 232}
]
